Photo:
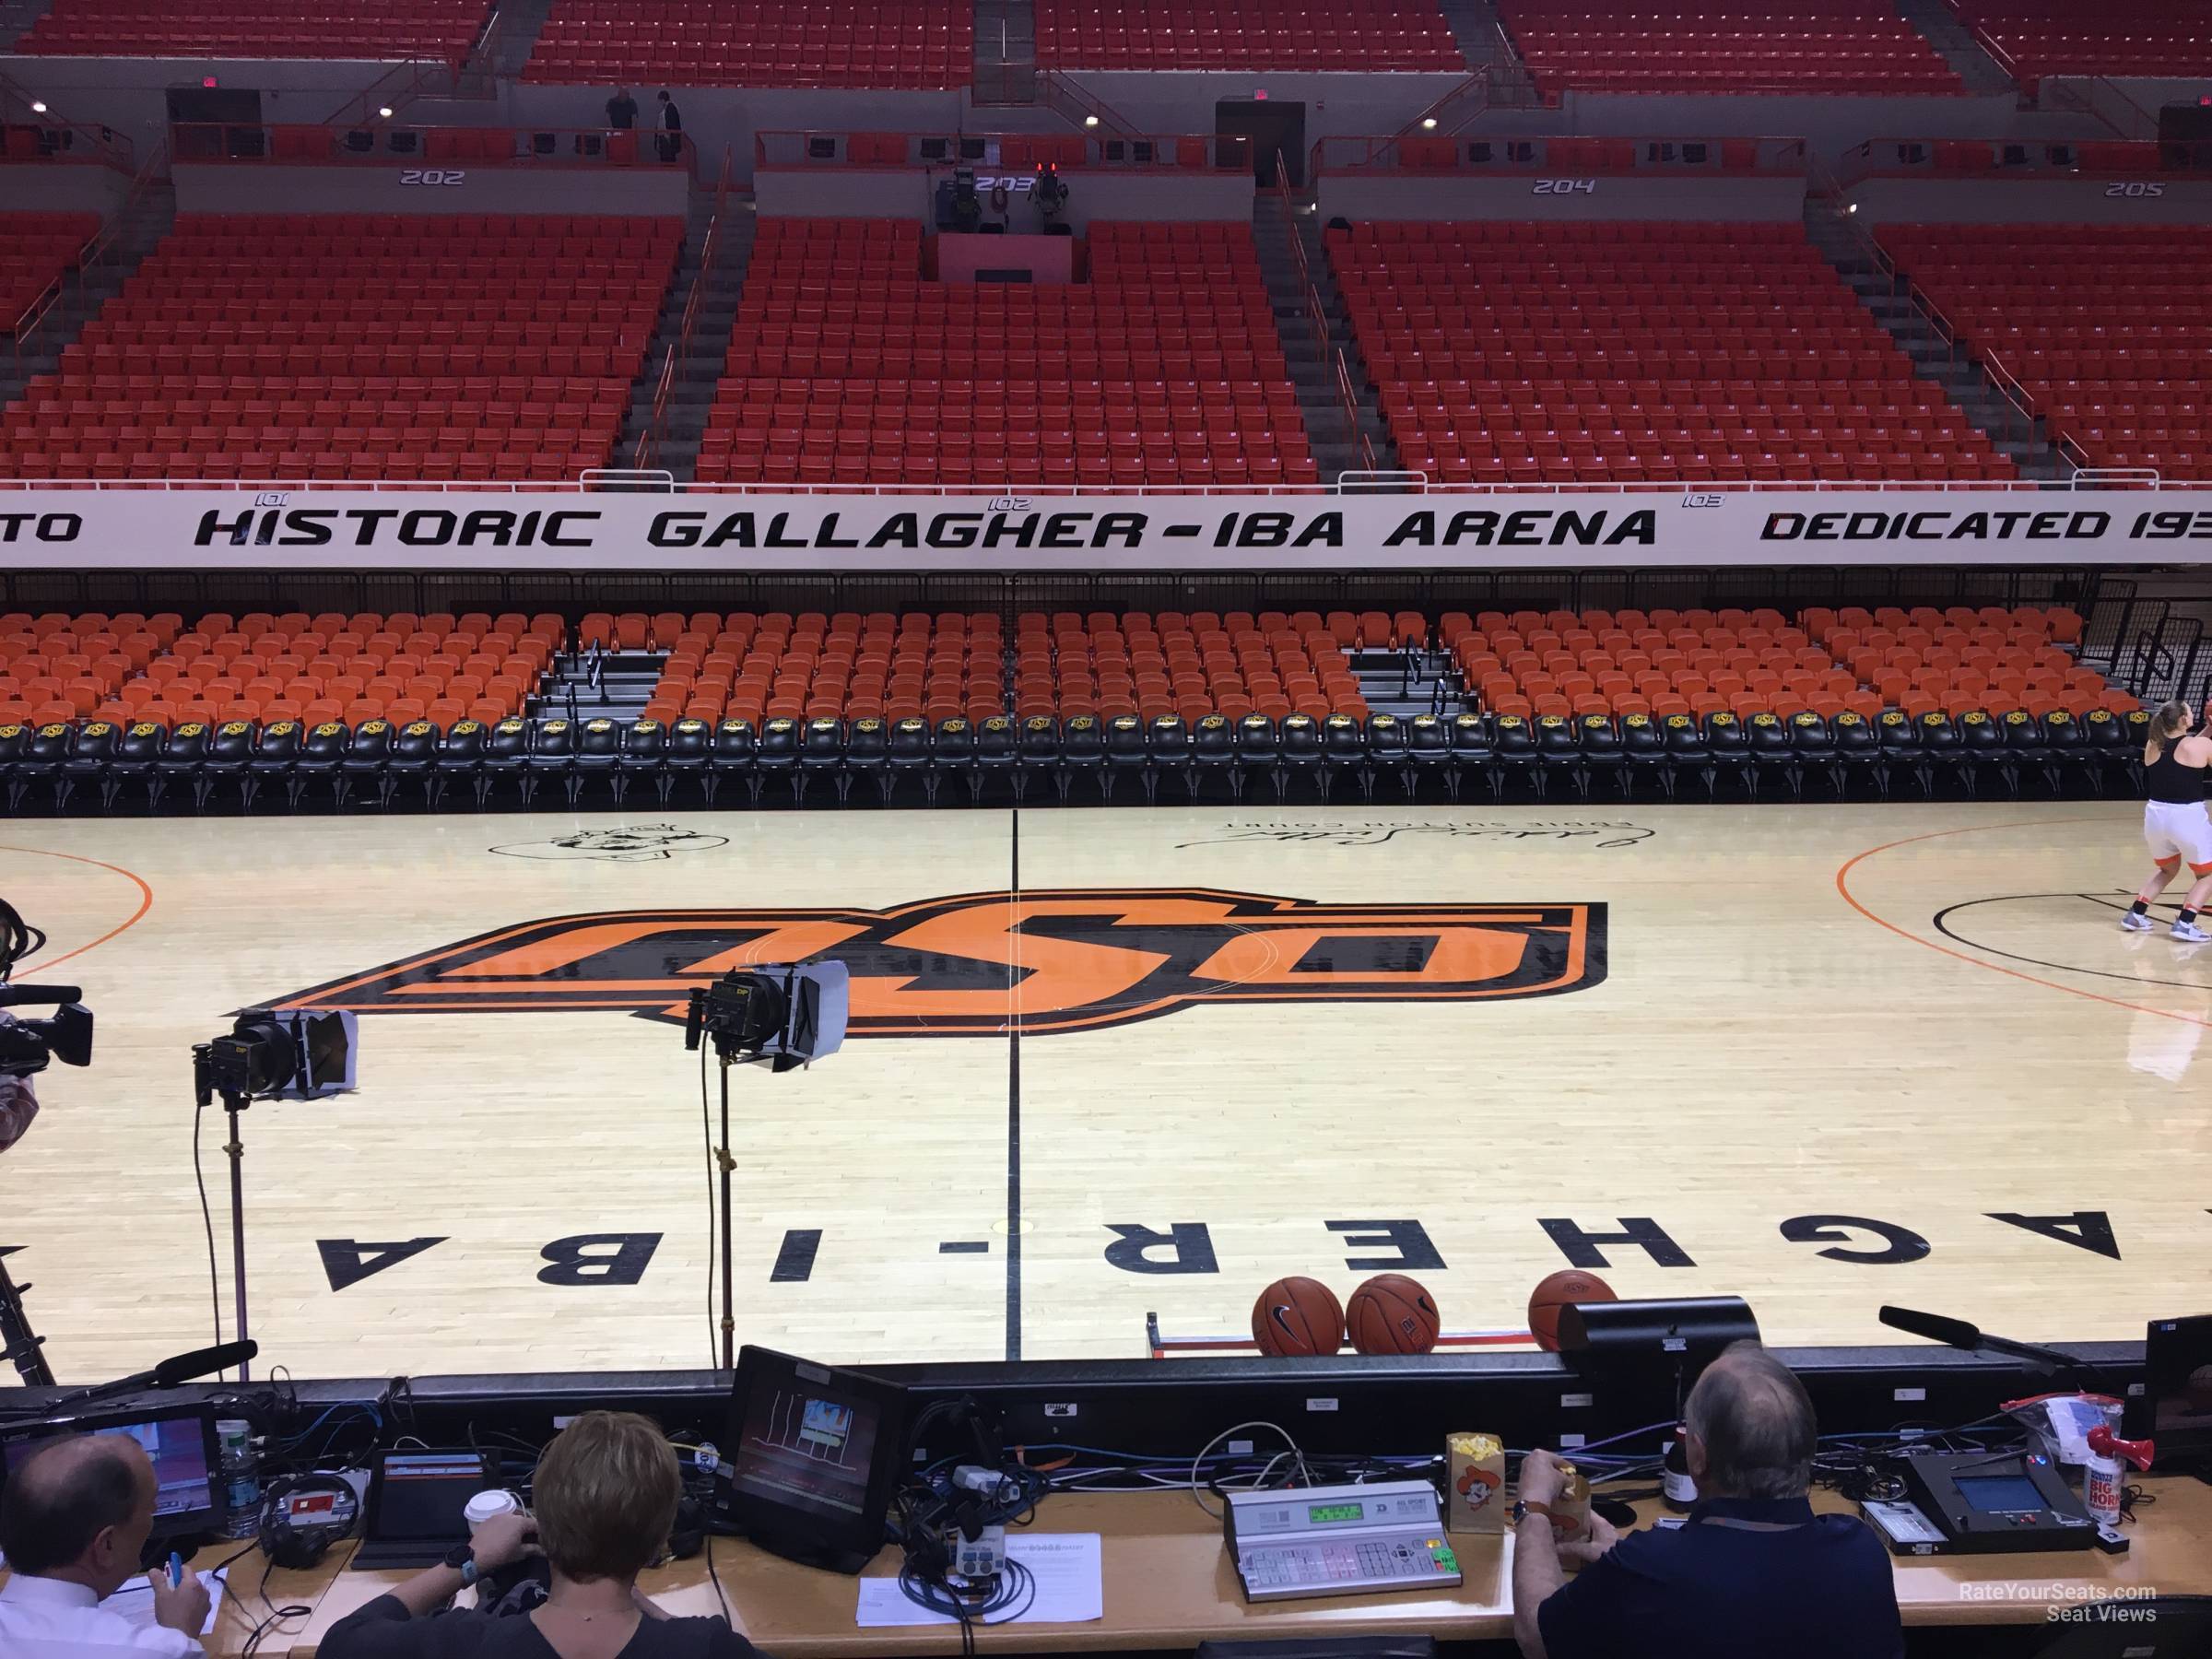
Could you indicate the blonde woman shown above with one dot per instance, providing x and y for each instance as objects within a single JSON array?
[
  {"x": 2174, "y": 820},
  {"x": 604, "y": 1496}
]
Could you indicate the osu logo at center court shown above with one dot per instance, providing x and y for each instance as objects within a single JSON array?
[{"x": 982, "y": 963}]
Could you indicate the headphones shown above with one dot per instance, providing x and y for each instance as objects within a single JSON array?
[{"x": 303, "y": 1515}]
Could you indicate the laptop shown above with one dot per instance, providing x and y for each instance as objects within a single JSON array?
[{"x": 415, "y": 1511}]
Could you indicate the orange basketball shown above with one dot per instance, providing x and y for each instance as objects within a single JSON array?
[
  {"x": 1296, "y": 1316},
  {"x": 1391, "y": 1315},
  {"x": 1568, "y": 1285}
]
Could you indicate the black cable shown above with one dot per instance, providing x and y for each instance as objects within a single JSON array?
[
  {"x": 706, "y": 1135},
  {"x": 706, "y": 1548},
  {"x": 215, "y": 1297}
]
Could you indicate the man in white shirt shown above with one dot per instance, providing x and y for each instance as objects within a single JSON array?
[{"x": 72, "y": 1520}]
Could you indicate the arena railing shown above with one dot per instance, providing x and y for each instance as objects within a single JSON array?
[
  {"x": 382, "y": 145},
  {"x": 2020, "y": 158},
  {"x": 1186, "y": 152},
  {"x": 1022, "y": 494},
  {"x": 1482, "y": 156},
  {"x": 54, "y": 137}
]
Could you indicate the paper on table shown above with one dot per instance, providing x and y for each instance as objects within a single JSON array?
[
  {"x": 1068, "y": 1568},
  {"x": 139, "y": 1607}
]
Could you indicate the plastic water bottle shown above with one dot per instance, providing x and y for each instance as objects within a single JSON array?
[{"x": 242, "y": 1488}]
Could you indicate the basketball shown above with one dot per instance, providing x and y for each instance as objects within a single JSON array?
[
  {"x": 1295, "y": 1317},
  {"x": 1391, "y": 1315},
  {"x": 2198, "y": 1389},
  {"x": 1556, "y": 1291}
]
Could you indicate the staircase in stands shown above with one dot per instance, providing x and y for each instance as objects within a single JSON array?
[
  {"x": 589, "y": 684},
  {"x": 692, "y": 394},
  {"x": 1893, "y": 305},
  {"x": 1277, "y": 223},
  {"x": 1956, "y": 44},
  {"x": 145, "y": 221},
  {"x": 515, "y": 36},
  {"x": 1490, "y": 50},
  {"x": 1005, "y": 54}
]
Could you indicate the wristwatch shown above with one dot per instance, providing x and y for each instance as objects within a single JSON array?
[{"x": 462, "y": 1556}]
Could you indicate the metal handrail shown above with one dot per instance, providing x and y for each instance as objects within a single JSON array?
[
  {"x": 1825, "y": 187},
  {"x": 793, "y": 147},
  {"x": 648, "y": 451},
  {"x": 1781, "y": 155},
  {"x": 1056, "y": 89},
  {"x": 1862, "y": 162},
  {"x": 1317, "y": 321},
  {"x": 1475, "y": 89},
  {"x": 402, "y": 84},
  {"x": 481, "y": 59},
  {"x": 33, "y": 316},
  {"x": 257, "y": 144},
  {"x": 109, "y": 146}
]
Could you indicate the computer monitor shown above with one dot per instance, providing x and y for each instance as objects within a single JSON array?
[
  {"x": 2176, "y": 1407},
  {"x": 190, "y": 1495},
  {"x": 815, "y": 1453}
]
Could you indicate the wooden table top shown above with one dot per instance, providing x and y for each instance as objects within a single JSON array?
[{"x": 1169, "y": 1583}]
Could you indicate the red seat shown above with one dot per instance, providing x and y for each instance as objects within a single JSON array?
[
  {"x": 335, "y": 345},
  {"x": 846, "y": 366}
]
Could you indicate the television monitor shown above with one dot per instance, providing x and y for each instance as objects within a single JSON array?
[
  {"x": 190, "y": 1495},
  {"x": 816, "y": 1452},
  {"x": 2176, "y": 1407}
]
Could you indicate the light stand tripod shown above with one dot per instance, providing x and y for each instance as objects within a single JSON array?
[
  {"x": 19, "y": 1345},
  {"x": 727, "y": 1053},
  {"x": 234, "y": 1106},
  {"x": 783, "y": 1017}
]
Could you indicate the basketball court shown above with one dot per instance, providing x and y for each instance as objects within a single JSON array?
[{"x": 1112, "y": 1062}]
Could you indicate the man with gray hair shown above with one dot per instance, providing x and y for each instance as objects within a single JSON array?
[{"x": 1753, "y": 1573}]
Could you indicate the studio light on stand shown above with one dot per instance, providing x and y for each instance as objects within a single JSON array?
[
  {"x": 269, "y": 1055},
  {"x": 782, "y": 1018}
]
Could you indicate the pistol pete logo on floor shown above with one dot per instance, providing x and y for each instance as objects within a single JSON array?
[{"x": 975, "y": 964}]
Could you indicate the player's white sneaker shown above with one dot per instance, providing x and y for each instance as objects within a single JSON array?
[
  {"x": 2189, "y": 932},
  {"x": 2132, "y": 923}
]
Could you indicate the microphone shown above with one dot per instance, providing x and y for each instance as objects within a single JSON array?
[
  {"x": 14, "y": 995},
  {"x": 1935, "y": 1327},
  {"x": 184, "y": 1368},
  {"x": 1958, "y": 1334}
]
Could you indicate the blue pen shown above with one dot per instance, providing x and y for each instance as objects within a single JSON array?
[{"x": 176, "y": 1570}]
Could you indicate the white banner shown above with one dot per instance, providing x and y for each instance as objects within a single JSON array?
[{"x": 573, "y": 530}]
